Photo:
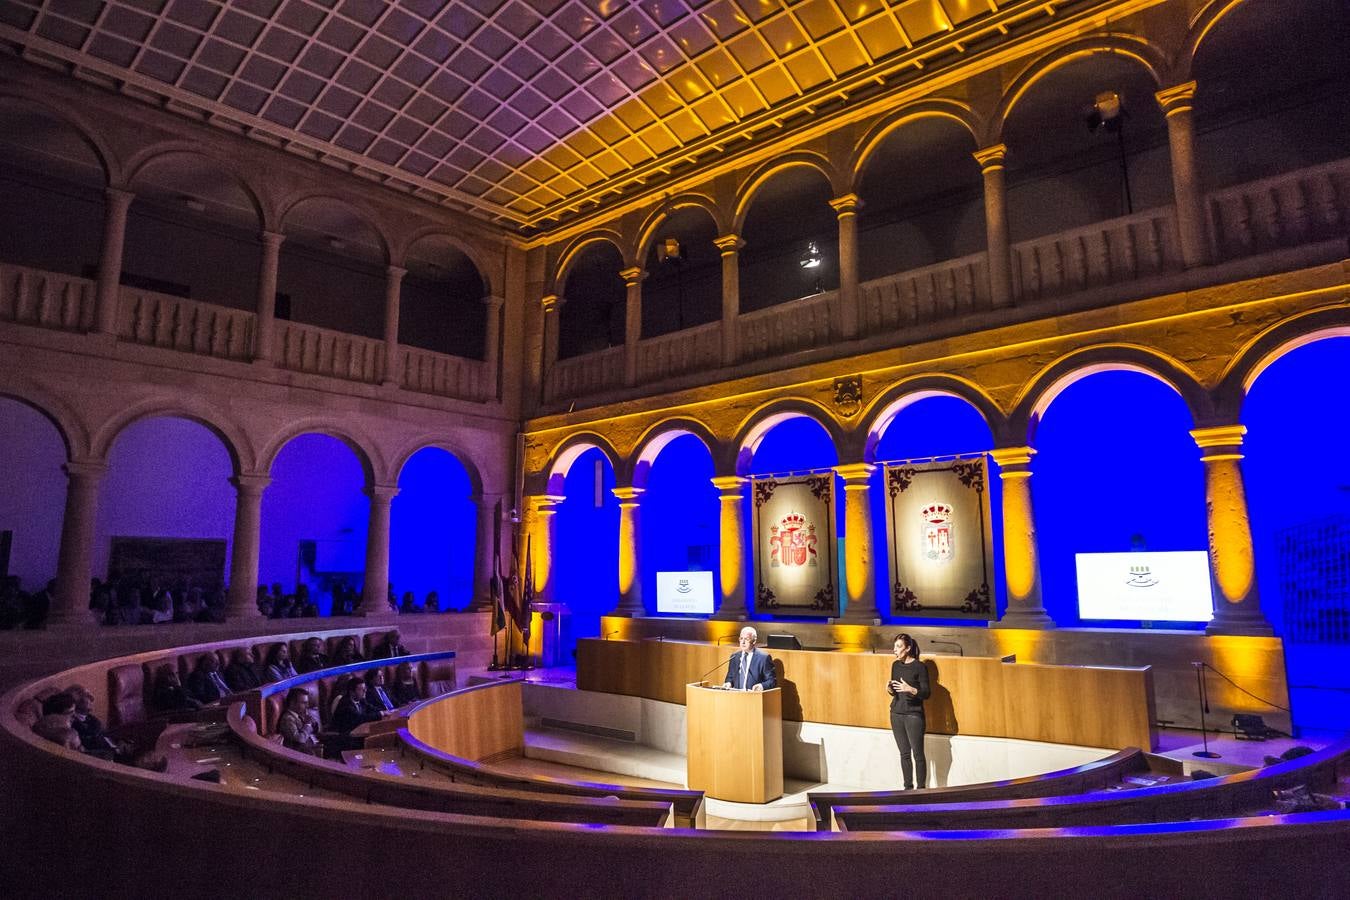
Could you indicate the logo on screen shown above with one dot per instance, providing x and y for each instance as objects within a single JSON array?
[
  {"x": 682, "y": 586},
  {"x": 1141, "y": 577}
]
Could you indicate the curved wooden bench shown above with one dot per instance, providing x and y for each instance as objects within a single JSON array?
[
  {"x": 503, "y": 716},
  {"x": 1076, "y": 780},
  {"x": 1242, "y": 794}
]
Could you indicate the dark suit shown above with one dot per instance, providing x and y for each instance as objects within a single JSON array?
[
  {"x": 760, "y": 671},
  {"x": 205, "y": 689},
  {"x": 350, "y": 714}
]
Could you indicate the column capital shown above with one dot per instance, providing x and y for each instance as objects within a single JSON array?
[
  {"x": 1013, "y": 461},
  {"x": 271, "y": 239},
  {"x": 855, "y": 475},
  {"x": 118, "y": 197},
  {"x": 846, "y": 205},
  {"x": 1176, "y": 99},
  {"x": 633, "y": 275},
  {"x": 730, "y": 484},
  {"x": 991, "y": 158},
  {"x": 544, "y": 504},
  {"x": 87, "y": 469},
  {"x": 382, "y": 493},
  {"x": 250, "y": 483},
  {"x": 551, "y": 302},
  {"x": 628, "y": 496},
  {"x": 1219, "y": 441},
  {"x": 493, "y": 302},
  {"x": 728, "y": 243}
]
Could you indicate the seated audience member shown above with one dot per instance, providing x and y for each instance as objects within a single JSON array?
[
  {"x": 390, "y": 647},
  {"x": 58, "y": 712},
  {"x": 376, "y": 696},
  {"x": 340, "y": 688},
  {"x": 28, "y": 712},
  {"x": 93, "y": 738},
  {"x": 161, "y": 607},
  {"x": 168, "y": 694},
  {"x": 296, "y": 726},
  {"x": 264, "y": 601},
  {"x": 279, "y": 663},
  {"x": 242, "y": 672},
  {"x": 353, "y": 710},
  {"x": 409, "y": 604},
  {"x": 312, "y": 658},
  {"x": 205, "y": 683},
  {"x": 215, "y": 606},
  {"x": 37, "y": 606},
  {"x": 304, "y": 607},
  {"x": 433, "y": 602},
  {"x": 346, "y": 653},
  {"x": 404, "y": 689}
]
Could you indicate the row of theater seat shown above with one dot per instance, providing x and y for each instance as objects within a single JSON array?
[{"x": 434, "y": 677}]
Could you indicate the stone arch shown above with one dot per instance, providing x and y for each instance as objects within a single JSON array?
[
  {"x": 1149, "y": 56},
  {"x": 654, "y": 440},
  {"x": 757, "y": 179},
  {"x": 1037, "y": 395},
  {"x": 572, "y": 252},
  {"x": 1201, "y": 26},
  {"x": 649, "y": 228},
  {"x": 113, "y": 170},
  {"x": 367, "y": 452},
  {"x": 489, "y": 272},
  {"x": 956, "y": 110},
  {"x": 879, "y": 414},
  {"x": 148, "y": 157},
  {"x": 412, "y": 448},
  {"x": 760, "y": 422},
  {"x": 366, "y": 215},
  {"x": 74, "y": 435},
  {"x": 1267, "y": 347},
  {"x": 573, "y": 446},
  {"x": 235, "y": 441}
]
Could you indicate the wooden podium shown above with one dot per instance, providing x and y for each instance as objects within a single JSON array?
[{"x": 735, "y": 743}]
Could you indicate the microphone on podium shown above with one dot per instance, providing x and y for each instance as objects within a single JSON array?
[
  {"x": 715, "y": 668},
  {"x": 608, "y": 633}
]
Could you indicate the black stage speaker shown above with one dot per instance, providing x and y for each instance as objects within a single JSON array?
[{"x": 784, "y": 642}]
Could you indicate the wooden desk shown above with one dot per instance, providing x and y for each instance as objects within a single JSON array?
[{"x": 1083, "y": 705}]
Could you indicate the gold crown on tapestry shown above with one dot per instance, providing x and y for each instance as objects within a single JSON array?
[
  {"x": 937, "y": 511},
  {"x": 793, "y": 520}
]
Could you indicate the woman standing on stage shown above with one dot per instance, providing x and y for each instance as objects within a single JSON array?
[{"x": 908, "y": 688}]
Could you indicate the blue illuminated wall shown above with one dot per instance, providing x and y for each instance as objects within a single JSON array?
[
  {"x": 680, "y": 509},
  {"x": 32, "y": 491},
  {"x": 433, "y": 525},
  {"x": 1115, "y": 466},
  {"x": 933, "y": 426},
  {"x": 587, "y": 552}
]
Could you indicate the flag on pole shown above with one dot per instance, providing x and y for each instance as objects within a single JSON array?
[
  {"x": 498, "y": 620},
  {"x": 526, "y": 590}
]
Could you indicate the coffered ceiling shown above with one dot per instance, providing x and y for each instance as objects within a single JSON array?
[{"x": 525, "y": 112}]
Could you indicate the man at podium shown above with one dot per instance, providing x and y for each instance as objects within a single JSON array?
[{"x": 750, "y": 669}]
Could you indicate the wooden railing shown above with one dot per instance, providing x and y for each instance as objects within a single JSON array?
[
  {"x": 940, "y": 291},
  {"x": 160, "y": 320},
  {"x": 429, "y": 372},
  {"x": 795, "y": 325},
  {"x": 319, "y": 351},
  {"x": 691, "y": 350},
  {"x": 589, "y": 374},
  {"x": 1282, "y": 211},
  {"x": 46, "y": 299},
  {"x": 1104, "y": 253}
]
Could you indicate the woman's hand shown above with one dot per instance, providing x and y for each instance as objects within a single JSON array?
[{"x": 906, "y": 687}]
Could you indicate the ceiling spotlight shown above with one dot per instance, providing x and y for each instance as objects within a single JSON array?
[
  {"x": 810, "y": 259},
  {"x": 669, "y": 248},
  {"x": 1107, "y": 110}
]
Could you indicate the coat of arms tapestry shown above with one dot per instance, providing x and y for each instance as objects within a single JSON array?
[
  {"x": 941, "y": 546},
  {"x": 794, "y": 546}
]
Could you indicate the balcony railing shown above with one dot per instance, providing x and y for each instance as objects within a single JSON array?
[
  {"x": 1283, "y": 211},
  {"x": 428, "y": 372},
  {"x": 589, "y": 374},
  {"x": 1119, "y": 250},
  {"x": 160, "y": 320},
  {"x": 320, "y": 351},
  {"x": 680, "y": 352},
  {"x": 795, "y": 325},
  {"x": 939, "y": 291},
  {"x": 46, "y": 299}
]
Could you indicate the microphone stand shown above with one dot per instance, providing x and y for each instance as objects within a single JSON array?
[{"x": 1206, "y": 753}]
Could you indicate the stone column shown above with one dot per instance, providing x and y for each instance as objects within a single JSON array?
[
  {"x": 267, "y": 296},
  {"x": 1177, "y": 102},
  {"x": 632, "y": 322},
  {"x": 730, "y": 246},
  {"x": 482, "y": 576},
  {"x": 375, "y": 592},
  {"x": 542, "y": 510},
  {"x": 996, "y": 224},
  {"x": 243, "y": 599},
  {"x": 630, "y": 552},
  {"x": 860, "y": 577},
  {"x": 70, "y": 604},
  {"x": 1232, "y": 562},
  {"x": 393, "y": 290},
  {"x": 1021, "y": 555},
  {"x": 552, "y": 306},
  {"x": 846, "y": 208},
  {"x": 492, "y": 346},
  {"x": 116, "y": 205},
  {"x": 731, "y": 495}
]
